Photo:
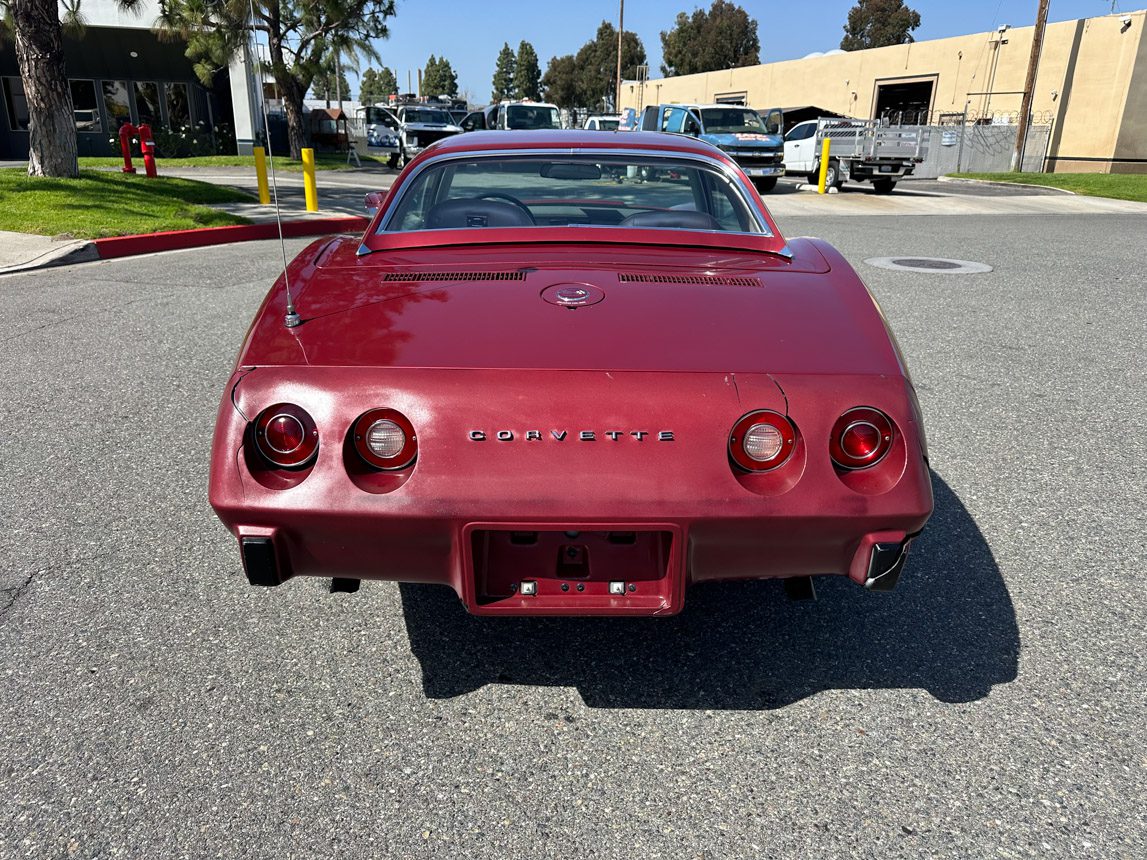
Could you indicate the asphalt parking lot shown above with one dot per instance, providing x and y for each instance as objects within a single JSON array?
[{"x": 994, "y": 705}]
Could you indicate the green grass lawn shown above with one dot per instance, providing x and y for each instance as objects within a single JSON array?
[
  {"x": 110, "y": 204},
  {"x": 323, "y": 161},
  {"x": 1122, "y": 186}
]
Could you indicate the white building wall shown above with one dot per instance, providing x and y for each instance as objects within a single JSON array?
[{"x": 106, "y": 13}]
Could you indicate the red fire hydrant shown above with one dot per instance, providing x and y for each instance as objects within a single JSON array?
[
  {"x": 146, "y": 145},
  {"x": 125, "y": 134}
]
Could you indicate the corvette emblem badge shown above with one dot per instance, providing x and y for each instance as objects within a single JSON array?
[{"x": 573, "y": 295}]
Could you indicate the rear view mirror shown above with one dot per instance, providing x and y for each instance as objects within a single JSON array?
[
  {"x": 374, "y": 200},
  {"x": 571, "y": 170}
]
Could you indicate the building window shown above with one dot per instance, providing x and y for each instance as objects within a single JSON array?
[
  {"x": 16, "y": 103},
  {"x": 731, "y": 99},
  {"x": 116, "y": 104},
  {"x": 85, "y": 106},
  {"x": 147, "y": 102},
  {"x": 178, "y": 106}
]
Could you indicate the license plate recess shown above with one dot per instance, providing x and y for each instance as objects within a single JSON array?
[{"x": 574, "y": 570}]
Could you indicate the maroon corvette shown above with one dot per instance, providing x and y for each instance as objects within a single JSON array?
[{"x": 571, "y": 373}]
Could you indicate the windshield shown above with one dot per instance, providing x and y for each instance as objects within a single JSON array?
[
  {"x": 732, "y": 120},
  {"x": 428, "y": 115},
  {"x": 532, "y": 116},
  {"x": 630, "y": 190}
]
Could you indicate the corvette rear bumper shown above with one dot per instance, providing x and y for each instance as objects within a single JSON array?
[
  {"x": 598, "y": 568},
  {"x": 604, "y": 526}
]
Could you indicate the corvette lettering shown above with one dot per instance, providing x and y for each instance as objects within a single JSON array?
[{"x": 564, "y": 435}]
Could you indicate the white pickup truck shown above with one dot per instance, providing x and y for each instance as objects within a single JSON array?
[{"x": 860, "y": 150}]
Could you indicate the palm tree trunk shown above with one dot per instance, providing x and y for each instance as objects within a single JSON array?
[
  {"x": 40, "y": 53},
  {"x": 296, "y": 115}
]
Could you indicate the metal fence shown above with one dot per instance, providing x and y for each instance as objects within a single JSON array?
[
  {"x": 977, "y": 148},
  {"x": 976, "y": 139}
]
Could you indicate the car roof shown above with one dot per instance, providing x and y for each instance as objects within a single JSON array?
[{"x": 555, "y": 139}]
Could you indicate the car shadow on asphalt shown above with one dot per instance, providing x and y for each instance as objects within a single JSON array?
[{"x": 949, "y": 628}]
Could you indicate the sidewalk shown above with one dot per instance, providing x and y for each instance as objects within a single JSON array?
[{"x": 22, "y": 251}]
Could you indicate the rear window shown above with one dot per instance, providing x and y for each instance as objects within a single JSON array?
[{"x": 636, "y": 190}]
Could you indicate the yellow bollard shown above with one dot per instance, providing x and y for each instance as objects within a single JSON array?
[
  {"x": 820, "y": 189},
  {"x": 261, "y": 175},
  {"x": 309, "y": 180}
]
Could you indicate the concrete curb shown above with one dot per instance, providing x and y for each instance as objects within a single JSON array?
[
  {"x": 72, "y": 252},
  {"x": 114, "y": 247},
  {"x": 1003, "y": 184}
]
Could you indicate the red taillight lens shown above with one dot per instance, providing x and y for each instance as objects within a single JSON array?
[
  {"x": 286, "y": 436},
  {"x": 385, "y": 439},
  {"x": 761, "y": 441},
  {"x": 860, "y": 438}
]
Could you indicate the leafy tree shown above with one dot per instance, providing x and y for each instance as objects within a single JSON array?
[
  {"x": 877, "y": 23},
  {"x": 38, "y": 33},
  {"x": 527, "y": 76},
  {"x": 376, "y": 86},
  {"x": 560, "y": 82},
  {"x": 725, "y": 37},
  {"x": 439, "y": 78},
  {"x": 504, "y": 74},
  {"x": 596, "y": 64},
  {"x": 299, "y": 36},
  {"x": 330, "y": 83}
]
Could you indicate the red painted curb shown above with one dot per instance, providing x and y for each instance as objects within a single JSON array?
[{"x": 149, "y": 243}]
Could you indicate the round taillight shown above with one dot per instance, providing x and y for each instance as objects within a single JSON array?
[
  {"x": 860, "y": 438},
  {"x": 385, "y": 439},
  {"x": 761, "y": 441},
  {"x": 286, "y": 436}
]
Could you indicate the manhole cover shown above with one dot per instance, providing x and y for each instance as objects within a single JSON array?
[{"x": 932, "y": 265}]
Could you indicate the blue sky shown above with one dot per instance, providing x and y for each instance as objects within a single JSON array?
[{"x": 471, "y": 34}]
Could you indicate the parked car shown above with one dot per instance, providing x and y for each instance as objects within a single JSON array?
[
  {"x": 420, "y": 126},
  {"x": 521, "y": 115},
  {"x": 558, "y": 398},
  {"x": 860, "y": 150},
  {"x": 737, "y": 130},
  {"x": 603, "y": 123}
]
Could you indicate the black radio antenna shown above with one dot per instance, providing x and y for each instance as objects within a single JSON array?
[{"x": 291, "y": 319}]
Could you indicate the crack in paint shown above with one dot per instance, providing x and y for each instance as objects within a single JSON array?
[
  {"x": 235, "y": 389},
  {"x": 731, "y": 379},
  {"x": 781, "y": 390}
]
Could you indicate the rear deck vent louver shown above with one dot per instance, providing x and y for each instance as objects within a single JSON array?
[
  {"x": 715, "y": 280},
  {"x": 454, "y": 276}
]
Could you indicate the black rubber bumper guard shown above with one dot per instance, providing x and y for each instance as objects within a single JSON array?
[{"x": 886, "y": 564}]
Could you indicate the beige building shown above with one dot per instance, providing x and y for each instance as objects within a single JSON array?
[{"x": 1091, "y": 88}]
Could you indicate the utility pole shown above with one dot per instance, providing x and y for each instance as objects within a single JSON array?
[
  {"x": 1029, "y": 86},
  {"x": 620, "y": 33}
]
